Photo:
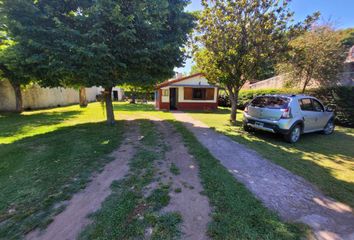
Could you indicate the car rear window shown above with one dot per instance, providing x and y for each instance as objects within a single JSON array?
[{"x": 270, "y": 102}]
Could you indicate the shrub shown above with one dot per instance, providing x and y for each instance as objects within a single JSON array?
[
  {"x": 140, "y": 95},
  {"x": 341, "y": 97}
]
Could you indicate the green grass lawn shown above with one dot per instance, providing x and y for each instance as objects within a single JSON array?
[
  {"x": 326, "y": 161},
  {"x": 46, "y": 156}
]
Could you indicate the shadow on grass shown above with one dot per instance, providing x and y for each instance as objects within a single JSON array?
[
  {"x": 39, "y": 171},
  {"x": 12, "y": 124}
]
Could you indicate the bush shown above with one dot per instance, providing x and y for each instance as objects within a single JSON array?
[
  {"x": 341, "y": 97},
  {"x": 140, "y": 95}
]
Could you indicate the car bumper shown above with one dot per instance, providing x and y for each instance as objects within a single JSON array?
[{"x": 268, "y": 126}]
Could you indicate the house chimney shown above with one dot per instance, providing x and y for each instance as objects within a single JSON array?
[{"x": 178, "y": 75}]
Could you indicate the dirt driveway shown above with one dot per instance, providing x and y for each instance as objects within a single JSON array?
[
  {"x": 68, "y": 224},
  {"x": 292, "y": 197},
  {"x": 184, "y": 191}
]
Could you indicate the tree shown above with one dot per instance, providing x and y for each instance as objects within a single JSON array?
[
  {"x": 317, "y": 55},
  {"x": 347, "y": 36},
  {"x": 195, "y": 69},
  {"x": 13, "y": 68},
  {"x": 236, "y": 38},
  {"x": 103, "y": 43}
]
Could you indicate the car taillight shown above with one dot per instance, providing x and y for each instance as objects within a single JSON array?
[{"x": 286, "y": 113}]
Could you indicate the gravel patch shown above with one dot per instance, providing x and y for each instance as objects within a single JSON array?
[{"x": 291, "y": 196}]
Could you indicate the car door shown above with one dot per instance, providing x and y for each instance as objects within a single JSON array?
[
  {"x": 308, "y": 114},
  {"x": 320, "y": 115}
]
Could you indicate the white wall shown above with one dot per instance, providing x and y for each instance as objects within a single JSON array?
[
  {"x": 7, "y": 96},
  {"x": 198, "y": 80},
  {"x": 165, "y": 99},
  {"x": 35, "y": 97}
]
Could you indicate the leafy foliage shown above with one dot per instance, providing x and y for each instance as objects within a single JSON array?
[
  {"x": 14, "y": 68},
  {"x": 103, "y": 43},
  {"x": 236, "y": 39},
  {"x": 316, "y": 55},
  {"x": 347, "y": 36}
]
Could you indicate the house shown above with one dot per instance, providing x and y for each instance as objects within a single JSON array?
[{"x": 186, "y": 93}]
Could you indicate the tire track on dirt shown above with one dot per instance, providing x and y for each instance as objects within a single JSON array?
[
  {"x": 68, "y": 224},
  {"x": 185, "y": 197}
]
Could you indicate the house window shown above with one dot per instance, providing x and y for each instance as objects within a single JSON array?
[
  {"x": 165, "y": 92},
  {"x": 199, "y": 93}
]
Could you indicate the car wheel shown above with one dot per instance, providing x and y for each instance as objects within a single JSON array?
[
  {"x": 329, "y": 128},
  {"x": 294, "y": 134},
  {"x": 248, "y": 128}
]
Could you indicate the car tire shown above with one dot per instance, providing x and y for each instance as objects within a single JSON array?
[
  {"x": 294, "y": 134},
  {"x": 329, "y": 128},
  {"x": 248, "y": 128}
]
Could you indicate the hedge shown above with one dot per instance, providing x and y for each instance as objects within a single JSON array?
[
  {"x": 341, "y": 97},
  {"x": 140, "y": 95}
]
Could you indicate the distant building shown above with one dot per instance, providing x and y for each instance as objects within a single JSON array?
[{"x": 186, "y": 93}]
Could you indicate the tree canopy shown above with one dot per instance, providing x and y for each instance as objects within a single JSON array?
[
  {"x": 236, "y": 39},
  {"x": 13, "y": 67},
  {"x": 315, "y": 55},
  {"x": 347, "y": 36},
  {"x": 103, "y": 42}
]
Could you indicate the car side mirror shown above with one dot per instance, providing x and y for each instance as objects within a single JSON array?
[{"x": 330, "y": 108}]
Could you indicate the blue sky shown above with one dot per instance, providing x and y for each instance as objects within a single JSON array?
[{"x": 339, "y": 11}]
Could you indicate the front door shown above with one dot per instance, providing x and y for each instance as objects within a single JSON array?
[
  {"x": 115, "y": 95},
  {"x": 173, "y": 98}
]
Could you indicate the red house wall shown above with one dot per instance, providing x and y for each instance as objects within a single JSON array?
[
  {"x": 196, "y": 106},
  {"x": 185, "y": 105},
  {"x": 161, "y": 105}
]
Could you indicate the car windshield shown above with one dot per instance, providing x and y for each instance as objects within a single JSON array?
[{"x": 270, "y": 102}]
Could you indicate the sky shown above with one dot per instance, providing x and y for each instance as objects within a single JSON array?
[{"x": 341, "y": 12}]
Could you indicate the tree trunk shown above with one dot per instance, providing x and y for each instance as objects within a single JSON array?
[
  {"x": 146, "y": 97},
  {"x": 234, "y": 100},
  {"x": 304, "y": 87},
  {"x": 18, "y": 96},
  {"x": 83, "y": 99},
  {"x": 109, "y": 106},
  {"x": 307, "y": 80}
]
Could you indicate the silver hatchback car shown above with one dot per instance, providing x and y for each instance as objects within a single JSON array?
[{"x": 290, "y": 115}]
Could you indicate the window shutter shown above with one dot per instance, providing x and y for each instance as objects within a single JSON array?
[
  {"x": 210, "y": 94},
  {"x": 188, "y": 93}
]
